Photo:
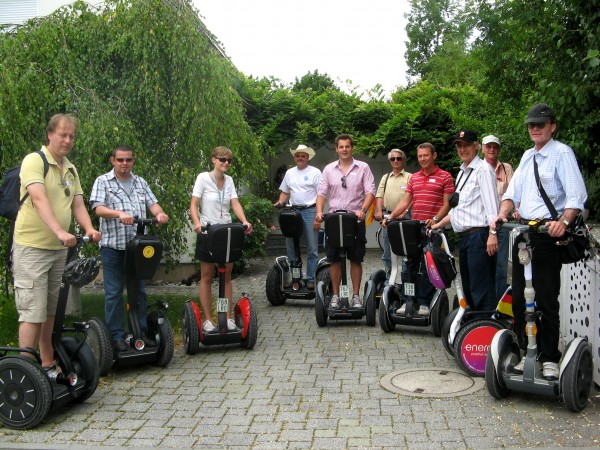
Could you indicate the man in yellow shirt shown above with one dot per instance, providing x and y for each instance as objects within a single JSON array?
[{"x": 41, "y": 235}]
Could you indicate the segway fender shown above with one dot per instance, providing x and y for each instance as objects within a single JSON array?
[
  {"x": 501, "y": 340},
  {"x": 386, "y": 299},
  {"x": 369, "y": 288},
  {"x": 198, "y": 315},
  {"x": 320, "y": 294},
  {"x": 284, "y": 266},
  {"x": 572, "y": 346},
  {"x": 455, "y": 326},
  {"x": 243, "y": 308},
  {"x": 322, "y": 264}
]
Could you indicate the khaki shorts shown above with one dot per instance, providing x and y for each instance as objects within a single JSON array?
[{"x": 37, "y": 275}]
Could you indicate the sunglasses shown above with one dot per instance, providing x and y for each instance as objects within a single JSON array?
[
  {"x": 344, "y": 182},
  {"x": 225, "y": 160},
  {"x": 123, "y": 160},
  {"x": 396, "y": 158},
  {"x": 539, "y": 125},
  {"x": 66, "y": 184}
]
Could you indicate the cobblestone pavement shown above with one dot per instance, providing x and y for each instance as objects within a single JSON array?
[{"x": 303, "y": 387}]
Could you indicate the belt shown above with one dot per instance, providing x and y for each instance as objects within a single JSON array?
[
  {"x": 539, "y": 221},
  {"x": 471, "y": 230},
  {"x": 305, "y": 206}
]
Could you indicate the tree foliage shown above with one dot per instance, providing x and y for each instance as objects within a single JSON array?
[{"x": 143, "y": 73}]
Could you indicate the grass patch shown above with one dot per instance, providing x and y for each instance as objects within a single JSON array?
[{"x": 92, "y": 305}]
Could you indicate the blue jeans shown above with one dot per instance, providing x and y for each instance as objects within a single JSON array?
[
  {"x": 477, "y": 270},
  {"x": 502, "y": 262},
  {"x": 424, "y": 290},
  {"x": 113, "y": 267},
  {"x": 312, "y": 244}
]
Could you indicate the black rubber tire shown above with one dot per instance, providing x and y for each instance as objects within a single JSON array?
[
  {"x": 322, "y": 303},
  {"x": 455, "y": 302},
  {"x": 252, "y": 335},
  {"x": 439, "y": 313},
  {"x": 385, "y": 323},
  {"x": 446, "y": 331},
  {"x": 379, "y": 237},
  {"x": 84, "y": 363},
  {"x": 378, "y": 277},
  {"x": 462, "y": 334},
  {"x": 99, "y": 340},
  {"x": 494, "y": 387},
  {"x": 273, "y": 287},
  {"x": 370, "y": 309},
  {"x": 190, "y": 330},
  {"x": 163, "y": 334},
  {"x": 23, "y": 381},
  {"x": 577, "y": 378}
]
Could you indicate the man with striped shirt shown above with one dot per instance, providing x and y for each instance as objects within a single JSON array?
[
  {"x": 477, "y": 207},
  {"x": 429, "y": 191}
]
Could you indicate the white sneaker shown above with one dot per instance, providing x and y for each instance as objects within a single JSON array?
[
  {"x": 550, "y": 371},
  {"x": 334, "y": 302},
  {"x": 518, "y": 369},
  {"x": 356, "y": 301},
  {"x": 208, "y": 326},
  {"x": 423, "y": 310},
  {"x": 52, "y": 372},
  {"x": 231, "y": 325},
  {"x": 401, "y": 310}
]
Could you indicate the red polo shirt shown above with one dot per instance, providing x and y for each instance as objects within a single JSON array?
[{"x": 428, "y": 192}]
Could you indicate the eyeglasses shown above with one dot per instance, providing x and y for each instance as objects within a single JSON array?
[
  {"x": 123, "y": 160},
  {"x": 539, "y": 125},
  {"x": 225, "y": 160},
  {"x": 66, "y": 184},
  {"x": 396, "y": 158},
  {"x": 344, "y": 182}
]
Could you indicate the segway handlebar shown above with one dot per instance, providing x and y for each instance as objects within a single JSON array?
[{"x": 205, "y": 228}]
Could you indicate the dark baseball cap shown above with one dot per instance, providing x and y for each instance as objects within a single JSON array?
[
  {"x": 540, "y": 112},
  {"x": 465, "y": 136}
]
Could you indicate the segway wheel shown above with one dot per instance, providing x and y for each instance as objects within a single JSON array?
[
  {"x": 324, "y": 289},
  {"x": 273, "y": 287},
  {"x": 378, "y": 278},
  {"x": 445, "y": 332},
  {"x": 385, "y": 323},
  {"x": 472, "y": 344},
  {"x": 439, "y": 311},
  {"x": 99, "y": 341},
  {"x": 190, "y": 330},
  {"x": 455, "y": 303},
  {"x": 84, "y": 363},
  {"x": 164, "y": 338},
  {"x": 252, "y": 335},
  {"x": 370, "y": 309},
  {"x": 25, "y": 393},
  {"x": 576, "y": 380},
  {"x": 496, "y": 389}
]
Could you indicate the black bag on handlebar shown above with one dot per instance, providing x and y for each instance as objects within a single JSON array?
[
  {"x": 406, "y": 237},
  {"x": 574, "y": 243},
  {"x": 340, "y": 228},
  {"x": 142, "y": 257},
  {"x": 291, "y": 223}
]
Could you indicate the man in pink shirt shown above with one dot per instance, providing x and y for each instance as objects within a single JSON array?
[{"x": 350, "y": 186}]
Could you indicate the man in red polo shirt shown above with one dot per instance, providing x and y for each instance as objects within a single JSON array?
[{"x": 429, "y": 191}]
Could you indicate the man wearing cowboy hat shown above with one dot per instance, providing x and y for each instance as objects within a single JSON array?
[{"x": 300, "y": 186}]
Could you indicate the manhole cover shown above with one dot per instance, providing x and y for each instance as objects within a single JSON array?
[{"x": 431, "y": 382}]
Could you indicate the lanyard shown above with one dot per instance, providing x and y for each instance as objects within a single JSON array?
[
  {"x": 466, "y": 179},
  {"x": 220, "y": 192}
]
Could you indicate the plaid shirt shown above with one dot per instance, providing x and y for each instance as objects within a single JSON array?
[{"x": 107, "y": 191}]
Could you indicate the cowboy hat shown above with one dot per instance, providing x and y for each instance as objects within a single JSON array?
[{"x": 304, "y": 149}]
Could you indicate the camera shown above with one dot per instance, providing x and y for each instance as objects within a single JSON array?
[{"x": 453, "y": 200}]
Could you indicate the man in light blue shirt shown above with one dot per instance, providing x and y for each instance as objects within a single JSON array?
[{"x": 561, "y": 178}]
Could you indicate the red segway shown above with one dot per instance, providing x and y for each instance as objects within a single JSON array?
[{"x": 225, "y": 244}]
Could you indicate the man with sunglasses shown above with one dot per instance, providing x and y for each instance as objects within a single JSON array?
[
  {"x": 117, "y": 198},
  {"x": 559, "y": 175},
  {"x": 350, "y": 186},
  {"x": 300, "y": 185},
  {"x": 41, "y": 235},
  {"x": 392, "y": 188}
]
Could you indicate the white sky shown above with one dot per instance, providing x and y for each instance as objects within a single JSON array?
[{"x": 358, "y": 40}]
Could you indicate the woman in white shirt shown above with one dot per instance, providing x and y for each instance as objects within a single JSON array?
[{"x": 214, "y": 193}]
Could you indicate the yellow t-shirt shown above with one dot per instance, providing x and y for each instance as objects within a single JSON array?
[
  {"x": 30, "y": 229},
  {"x": 395, "y": 189}
]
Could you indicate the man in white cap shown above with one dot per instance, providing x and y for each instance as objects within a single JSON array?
[
  {"x": 300, "y": 186},
  {"x": 504, "y": 173}
]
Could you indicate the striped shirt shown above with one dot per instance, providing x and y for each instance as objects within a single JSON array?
[
  {"x": 428, "y": 192},
  {"x": 559, "y": 175},
  {"x": 107, "y": 191},
  {"x": 478, "y": 199},
  {"x": 359, "y": 183}
]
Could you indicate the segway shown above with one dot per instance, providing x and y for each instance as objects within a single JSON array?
[
  {"x": 340, "y": 228},
  {"x": 225, "y": 245},
  {"x": 142, "y": 257},
  {"x": 285, "y": 279},
  {"x": 27, "y": 394},
  {"x": 576, "y": 366},
  {"x": 409, "y": 239}
]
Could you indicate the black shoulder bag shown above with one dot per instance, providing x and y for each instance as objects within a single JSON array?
[{"x": 576, "y": 239}]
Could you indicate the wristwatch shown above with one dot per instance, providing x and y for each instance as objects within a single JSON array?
[
  {"x": 436, "y": 219},
  {"x": 494, "y": 232},
  {"x": 364, "y": 210},
  {"x": 566, "y": 222}
]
